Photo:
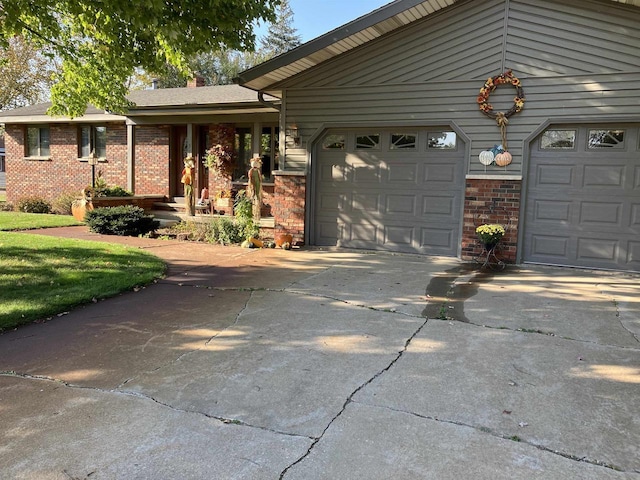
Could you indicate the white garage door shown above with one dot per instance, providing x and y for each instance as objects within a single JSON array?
[
  {"x": 390, "y": 189},
  {"x": 583, "y": 197}
]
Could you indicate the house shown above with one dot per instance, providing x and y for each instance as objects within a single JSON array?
[{"x": 376, "y": 131}]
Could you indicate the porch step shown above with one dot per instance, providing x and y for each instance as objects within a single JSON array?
[{"x": 173, "y": 217}]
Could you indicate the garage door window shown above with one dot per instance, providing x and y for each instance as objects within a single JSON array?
[
  {"x": 368, "y": 142},
  {"x": 606, "y": 139},
  {"x": 558, "y": 140},
  {"x": 334, "y": 142},
  {"x": 442, "y": 140},
  {"x": 404, "y": 140}
]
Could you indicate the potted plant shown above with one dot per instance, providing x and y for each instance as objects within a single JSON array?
[
  {"x": 490, "y": 234},
  {"x": 224, "y": 199},
  {"x": 219, "y": 160}
]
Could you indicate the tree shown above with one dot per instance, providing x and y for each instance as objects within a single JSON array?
[
  {"x": 281, "y": 36},
  {"x": 26, "y": 75},
  {"x": 102, "y": 43}
]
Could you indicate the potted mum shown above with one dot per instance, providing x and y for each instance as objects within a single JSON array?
[{"x": 490, "y": 234}]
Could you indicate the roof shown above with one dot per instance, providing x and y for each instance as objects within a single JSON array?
[
  {"x": 166, "y": 101},
  {"x": 180, "y": 97},
  {"x": 375, "y": 24}
]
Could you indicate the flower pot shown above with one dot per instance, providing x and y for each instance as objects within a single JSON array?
[
  {"x": 79, "y": 209},
  {"x": 283, "y": 238},
  {"x": 224, "y": 202}
]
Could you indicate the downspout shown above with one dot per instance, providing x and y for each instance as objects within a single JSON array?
[{"x": 267, "y": 103}]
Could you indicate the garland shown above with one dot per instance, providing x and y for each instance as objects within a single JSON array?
[{"x": 506, "y": 78}]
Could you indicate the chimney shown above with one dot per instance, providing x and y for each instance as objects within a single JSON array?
[
  {"x": 196, "y": 81},
  {"x": 154, "y": 84}
]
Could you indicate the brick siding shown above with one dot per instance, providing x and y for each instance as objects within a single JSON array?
[
  {"x": 62, "y": 172},
  {"x": 289, "y": 206},
  {"x": 151, "y": 160},
  {"x": 491, "y": 201}
]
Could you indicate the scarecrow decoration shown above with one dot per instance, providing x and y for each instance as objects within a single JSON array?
[
  {"x": 500, "y": 153},
  {"x": 187, "y": 180}
]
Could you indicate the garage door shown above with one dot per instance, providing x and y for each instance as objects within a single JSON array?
[
  {"x": 389, "y": 189},
  {"x": 583, "y": 198}
]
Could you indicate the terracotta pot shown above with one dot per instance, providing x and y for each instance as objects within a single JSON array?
[
  {"x": 79, "y": 209},
  {"x": 283, "y": 238}
]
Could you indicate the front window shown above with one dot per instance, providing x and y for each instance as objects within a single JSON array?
[
  {"x": 243, "y": 144},
  {"x": 37, "y": 142},
  {"x": 92, "y": 139},
  {"x": 269, "y": 149}
]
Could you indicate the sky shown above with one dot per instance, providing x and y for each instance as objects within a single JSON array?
[{"x": 313, "y": 18}]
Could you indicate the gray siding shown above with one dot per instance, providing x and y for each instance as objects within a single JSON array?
[{"x": 576, "y": 59}]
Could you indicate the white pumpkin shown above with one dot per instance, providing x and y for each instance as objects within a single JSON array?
[{"x": 486, "y": 157}]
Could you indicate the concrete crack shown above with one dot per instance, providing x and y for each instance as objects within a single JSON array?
[
  {"x": 503, "y": 436},
  {"x": 190, "y": 352},
  {"x": 350, "y": 398},
  {"x": 353, "y": 304},
  {"x": 142, "y": 396},
  {"x": 616, "y": 305}
]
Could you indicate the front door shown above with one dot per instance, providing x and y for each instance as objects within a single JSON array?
[{"x": 179, "y": 150}]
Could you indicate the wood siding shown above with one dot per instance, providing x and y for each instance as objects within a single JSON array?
[{"x": 577, "y": 60}]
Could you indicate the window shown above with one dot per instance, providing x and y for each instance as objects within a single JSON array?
[
  {"x": 368, "y": 142},
  {"x": 558, "y": 140},
  {"x": 606, "y": 138},
  {"x": 92, "y": 139},
  {"x": 403, "y": 140},
  {"x": 2, "y": 168},
  {"x": 269, "y": 151},
  {"x": 37, "y": 141},
  {"x": 442, "y": 140},
  {"x": 334, "y": 142},
  {"x": 243, "y": 147}
]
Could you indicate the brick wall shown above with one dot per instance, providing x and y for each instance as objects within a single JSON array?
[
  {"x": 62, "y": 171},
  {"x": 491, "y": 201},
  {"x": 151, "y": 160},
  {"x": 288, "y": 206}
]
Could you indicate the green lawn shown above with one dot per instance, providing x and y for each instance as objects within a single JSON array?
[
  {"x": 25, "y": 221},
  {"x": 43, "y": 276}
]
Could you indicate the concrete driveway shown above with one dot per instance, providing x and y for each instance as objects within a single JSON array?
[{"x": 329, "y": 364}]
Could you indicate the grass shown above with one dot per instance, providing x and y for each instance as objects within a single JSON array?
[
  {"x": 44, "y": 276},
  {"x": 25, "y": 221}
]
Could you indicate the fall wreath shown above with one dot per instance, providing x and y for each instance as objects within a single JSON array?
[{"x": 506, "y": 78}]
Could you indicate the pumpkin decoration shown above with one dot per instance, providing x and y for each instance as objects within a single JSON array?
[
  {"x": 503, "y": 159},
  {"x": 486, "y": 157}
]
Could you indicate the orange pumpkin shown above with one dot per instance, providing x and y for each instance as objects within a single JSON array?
[{"x": 503, "y": 159}]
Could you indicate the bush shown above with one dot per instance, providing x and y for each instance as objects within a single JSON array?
[
  {"x": 33, "y": 205},
  {"x": 7, "y": 207},
  {"x": 125, "y": 220},
  {"x": 243, "y": 210},
  {"x": 62, "y": 204},
  {"x": 226, "y": 231}
]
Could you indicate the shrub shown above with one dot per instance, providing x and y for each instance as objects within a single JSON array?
[
  {"x": 6, "y": 207},
  {"x": 33, "y": 205},
  {"x": 226, "y": 231},
  {"x": 62, "y": 204},
  {"x": 125, "y": 220},
  {"x": 243, "y": 210},
  {"x": 196, "y": 231}
]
